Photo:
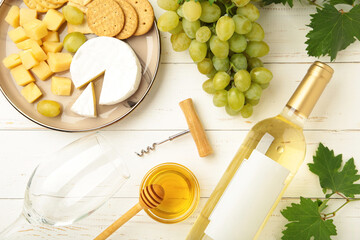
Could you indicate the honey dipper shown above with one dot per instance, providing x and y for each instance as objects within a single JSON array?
[
  {"x": 150, "y": 197},
  {"x": 195, "y": 128}
]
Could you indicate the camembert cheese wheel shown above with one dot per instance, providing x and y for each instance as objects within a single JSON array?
[{"x": 112, "y": 56}]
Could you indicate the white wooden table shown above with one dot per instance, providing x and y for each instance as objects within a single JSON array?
[{"x": 335, "y": 121}]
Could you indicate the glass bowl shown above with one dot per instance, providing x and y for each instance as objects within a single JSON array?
[{"x": 182, "y": 192}]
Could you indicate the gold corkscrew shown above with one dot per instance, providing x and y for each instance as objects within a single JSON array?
[{"x": 195, "y": 128}]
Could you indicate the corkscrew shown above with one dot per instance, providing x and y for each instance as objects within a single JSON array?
[{"x": 195, "y": 128}]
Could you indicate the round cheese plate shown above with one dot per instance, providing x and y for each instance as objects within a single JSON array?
[{"x": 147, "y": 48}]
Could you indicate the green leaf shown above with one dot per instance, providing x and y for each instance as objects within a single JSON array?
[
  {"x": 335, "y": 2},
  {"x": 327, "y": 166},
  {"x": 306, "y": 222},
  {"x": 332, "y": 31},
  {"x": 284, "y": 2}
]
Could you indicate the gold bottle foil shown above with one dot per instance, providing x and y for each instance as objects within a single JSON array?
[{"x": 311, "y": 87}]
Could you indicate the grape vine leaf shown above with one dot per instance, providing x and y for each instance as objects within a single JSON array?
[
  {"x": 335, "y": 2},
  {"x": 332, "y": 30},
  {"x": 268, "y": 2},
  {"x": 327, "y": 166},
  {"x": 306, "y": 222}
]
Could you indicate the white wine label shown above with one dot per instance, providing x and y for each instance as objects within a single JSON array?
[
  {"x": 248, "y": 198},
  {"x": 265, "y": 143}
]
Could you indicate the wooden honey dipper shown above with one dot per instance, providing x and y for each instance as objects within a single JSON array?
[
  {"x": 195, "y": 128},
  {"x": 150, "y": 197}
]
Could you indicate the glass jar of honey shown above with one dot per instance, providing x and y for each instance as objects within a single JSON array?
[{"x": 182, "y": 192}]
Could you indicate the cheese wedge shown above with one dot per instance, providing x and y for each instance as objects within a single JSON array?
[
  {"x": 112, "y": 56},
  {"x": 85, "y": 105}
]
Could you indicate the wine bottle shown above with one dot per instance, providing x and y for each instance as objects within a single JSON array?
[{"x": 263, "y": 167}]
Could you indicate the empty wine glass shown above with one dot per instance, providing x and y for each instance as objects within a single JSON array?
[{"x": 70, "y": 184}]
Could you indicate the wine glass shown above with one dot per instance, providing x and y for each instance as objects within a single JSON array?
[{"x": 70, "y": 184}]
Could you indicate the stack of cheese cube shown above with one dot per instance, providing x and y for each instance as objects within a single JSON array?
[{"x": 41, "y": 52}]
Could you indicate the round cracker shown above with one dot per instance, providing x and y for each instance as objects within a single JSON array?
[
  {"x": 146, "y": 15},
  {"x": 131, "y": 20},
  {"x": 57, "y": 1},
  {"x": 105, "y": 17},
  {"x": 41, "y": 9},
  {"x": 30, "y": 4},
  {"x": 48, "y": 5}
]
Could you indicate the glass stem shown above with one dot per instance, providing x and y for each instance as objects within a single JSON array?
[{"x": 21, "y": 224}]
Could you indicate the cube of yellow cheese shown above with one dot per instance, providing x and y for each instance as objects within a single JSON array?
[
  {"x": 59, "y": 62},
  {"x": 51, "y": 37},
  {"x": 52, "y": 47},
  {"x": 13, "y": 16},
  {"x": 61, "y": 86},
  {"x": 26, "y": 15},
  {"x": 35, "y": 29},
  {"x": 42, "y": 71},
  {"x": 21, "y": 75},
  {"x": 53, "y": 19},
  {"x": 28, "y": 43},
  {"x": 12, "y": 61},
  {"x": 28, "y": 59},
  {"x": 17, "y": 35},
  {"x": 39, "y": 53},
  {"x": 31, "y": 92}
]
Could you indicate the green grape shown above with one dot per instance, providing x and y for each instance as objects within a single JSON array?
[
  {"x": 254, "y": 62},
  {"x": 221, "y": 80},
  {"x": 264, "y": 86},
  {"x": 205, "y": 66},
  {"x": 49, "y": 108},
  {"x": 169, "y": 5},
  {"x": 230, "y": 111},
  {"x": 242, "y": 80},
  {"x": 225, "y": 28},
  {"x": 168, "y": 21},
  {"x": 236, "y": 99},
  {"x": 249, "y": 11},
  {"x": 73, "y": 15},
  {"x": 261, "y": 75},
  {"x": 203, "y": 34},
  {"x": 256, "y": 33},
  {"x": 197, "y": 51},
  {"x": 237, "y": 43},
  {"x": 247, "y": 111},
  {"x": 191, "y": 10},
  {"x": 254, "y": 92},
  {"x": 242, "y": 24},
  {"x": 208, "y": 86},
  {"x": 220, "y": 98},
  {"x": 221, "y": 64},
  {"x": 257, "y": 49},
  {"x": 239, "y": 61},
  {"x": 240, "y": 3},
  {"x": 252, "y": 101},
  {"x": 73, "y": 41},
  {"x": 178, "y": 29},
  {"x": 190, "y": 28},
  {"x": 210, "y": 12},
  {"x": 219, "y": 48},
  {"x": 180, "y": 42},
  {"x": 179, "y": 11},
  {"x": 212, "y": 73}
]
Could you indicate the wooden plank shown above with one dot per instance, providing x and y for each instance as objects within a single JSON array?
[
  {"x": 21, "y": 152},
  {"x": 175, "y": 82},
  {"x": 143, "y": 227},
  {"x": 285, "y": 32}
]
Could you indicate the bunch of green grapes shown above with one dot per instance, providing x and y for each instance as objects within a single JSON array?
[{"x": 225, "y": 42}]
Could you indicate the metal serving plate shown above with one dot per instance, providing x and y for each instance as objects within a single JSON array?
[{"x": 147, "y": 47}]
